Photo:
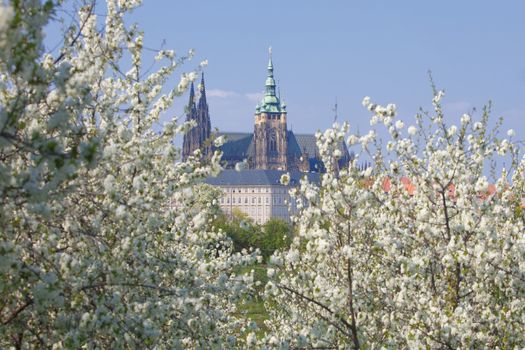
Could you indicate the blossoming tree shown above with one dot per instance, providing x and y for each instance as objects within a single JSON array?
[
  {"x": 419, "y": 251},
  {"x": 104, "y": 240}
]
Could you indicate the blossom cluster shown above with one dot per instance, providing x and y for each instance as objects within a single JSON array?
[
  {"x": 93, "y": 251},
  {"x": 421, "y": 250}
]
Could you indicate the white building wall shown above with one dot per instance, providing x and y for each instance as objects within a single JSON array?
[{"x": 260, "y": 203}]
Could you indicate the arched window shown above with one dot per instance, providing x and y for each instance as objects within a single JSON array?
[{"x": 273, "y": 142}]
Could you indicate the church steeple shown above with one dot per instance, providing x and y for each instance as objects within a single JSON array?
[
  {"x": 270, "y": 81},
  {"x": 271, "y": 102},
  {"x": 202, "y": 90},
  {"x": 197, "y": 137},
  {"x": 191, "y": 102},
  {"x": 270, "y": 131}
]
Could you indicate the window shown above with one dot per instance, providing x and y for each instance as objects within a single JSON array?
[
  {"x": 233, "y": 200},
  {"x": 228, "y": 200},
  {"x": 267, "y": 200},
  {"x": 222, "y": 200},
  {"x": 273, "y": 141},
  {"x": 246, "y": 200},
  {"x": 259, "y": 200},
  {"x": 253, "y": 200}
]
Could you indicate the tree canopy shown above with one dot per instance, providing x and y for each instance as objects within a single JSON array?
[
  {"x": 419, "y": 251},
  {"x": 108, "y": 239},
  {"x": 105, "y": 241}
]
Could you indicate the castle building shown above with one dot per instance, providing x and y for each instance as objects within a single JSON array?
[
  {"x": 259, "y": 193},
  {"x": 271, "y": 146}
]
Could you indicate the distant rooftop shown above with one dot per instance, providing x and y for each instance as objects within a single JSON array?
[{"x": 258, "y": 177}]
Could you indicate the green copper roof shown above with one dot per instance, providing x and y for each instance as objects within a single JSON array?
[{"x": 270, "y": 102}]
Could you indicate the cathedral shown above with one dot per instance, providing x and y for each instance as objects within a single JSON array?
[
  {"x": 197, "y": 137},
  {"x": 271, "y": 146}
]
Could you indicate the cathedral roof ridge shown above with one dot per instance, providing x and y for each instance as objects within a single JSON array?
[
  {"x": 222, "y": 132},
  {"x": 259, "y": 177},
  {"x": 303, "y": 133}
]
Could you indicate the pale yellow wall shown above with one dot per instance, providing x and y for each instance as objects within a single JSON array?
[{"x": 259, "y": 202}]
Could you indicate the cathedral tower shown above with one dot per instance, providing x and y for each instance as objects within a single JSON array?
[
  {"x": 270, "y": 132},
  {"x": 199, "y": 136}
]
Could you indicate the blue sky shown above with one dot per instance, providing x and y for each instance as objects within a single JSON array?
[{"x": 347, "y": 49}]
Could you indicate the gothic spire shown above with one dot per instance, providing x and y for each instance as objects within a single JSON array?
[
  {"x": 271, "y": 102},
  {"x": 270, "y": 81},
  {"x": 202, "y": 90},
  {"x": 191, "y": 102}
]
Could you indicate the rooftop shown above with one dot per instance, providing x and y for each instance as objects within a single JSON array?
[{"x": 258, "y": 177}]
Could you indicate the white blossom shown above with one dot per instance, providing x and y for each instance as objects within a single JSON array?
[
  {"x": 219, "y": 141},
  {"x": 106, "y": 234},
  {"x": 452, "y": 131},
  {"x": 285, "y": 179},
  {"x": 352, "y": 140},
  {"x": 465, "y": 119},
  {"x": 437, "y": 98},
  {"x": 478, "y": 126},
  {"x": 410, "y": 253},
  {"x": 240, "y": 166}
]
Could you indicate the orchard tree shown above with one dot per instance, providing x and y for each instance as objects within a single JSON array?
[
  {"x": 276, "y": 235},
  {"x": 104, "y": 240},
  {"x": 422, "y": 250}
]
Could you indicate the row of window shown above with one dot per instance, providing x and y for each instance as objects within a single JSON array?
[
  {"x": 255, "y": 190},
  {"x": 276, "y": 200}
]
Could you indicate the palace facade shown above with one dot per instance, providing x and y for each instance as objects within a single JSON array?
[
  {"x": 259, "y": 193},
  {"x": 270, "y": 151}
]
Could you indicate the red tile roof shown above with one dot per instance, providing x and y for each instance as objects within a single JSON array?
[{"x": 386, "y": 185}]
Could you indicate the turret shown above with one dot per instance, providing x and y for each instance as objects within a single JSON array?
[{"x": 270, "y": 131}]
